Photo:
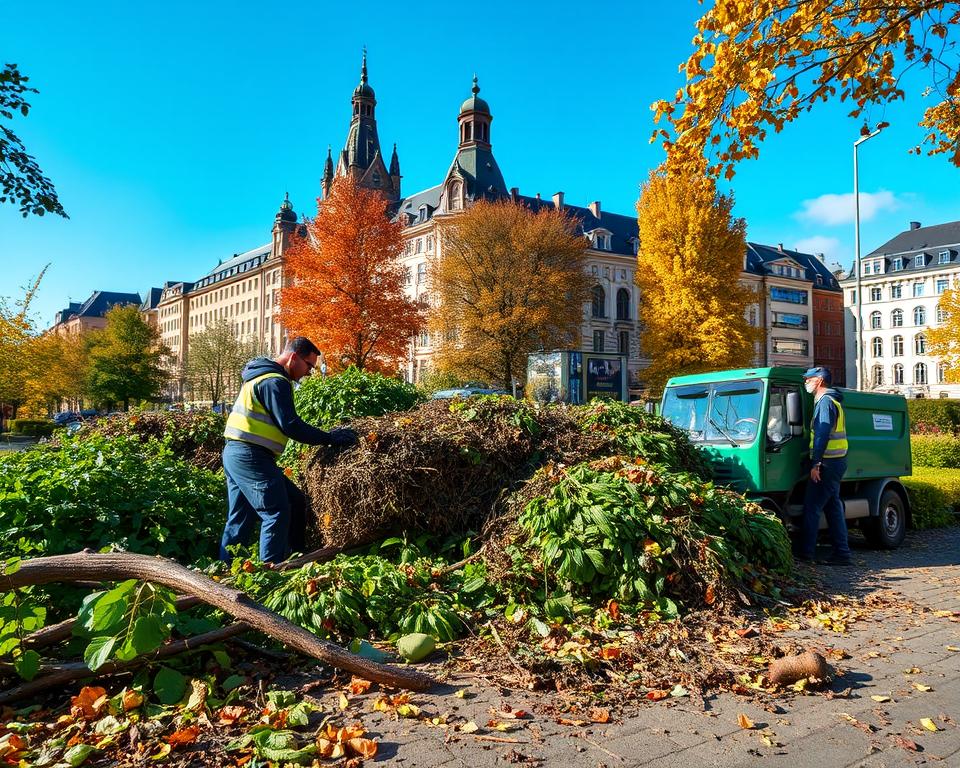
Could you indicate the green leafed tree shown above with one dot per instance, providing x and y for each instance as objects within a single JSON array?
[
  {"x": 216, "y": 358},
  {"x": 126, "y": 360},
  {"x": 21, "y": 180}
]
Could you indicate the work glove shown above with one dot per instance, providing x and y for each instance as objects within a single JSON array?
[{"x": 342, "y": 438}]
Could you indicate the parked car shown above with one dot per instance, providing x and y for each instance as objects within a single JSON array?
[
  {"x": 468, "y": 389},
  {"x": 64, "y": 417},
  {"x": 88, "y": 413}
]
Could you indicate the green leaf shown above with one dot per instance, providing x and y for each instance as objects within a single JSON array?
[
  {"x": 232, "y": 682},
  {"x": 169, "y": 685},
  {"x": 78, "y": 754},
  {"x": 27, "y": 664},
  {"x": 98, "y": 652},
  {"x": 149, "y": 632}
]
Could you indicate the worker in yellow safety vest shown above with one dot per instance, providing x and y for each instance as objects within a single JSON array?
[
  {"x": 263, "y": 419},
  {"x": 828, "y": 462}
]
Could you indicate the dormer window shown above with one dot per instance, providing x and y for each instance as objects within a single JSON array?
[
  {"x": 944, "y": 257},
  {"x": 455, "y": 196},
  {"x": 896, "y": 264},
  {"x": 602, "y": 241},
  {"x": 920, "y": 260},
  {"x": 422, "y": 215}
]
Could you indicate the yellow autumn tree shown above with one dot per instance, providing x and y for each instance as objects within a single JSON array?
[
  {"x": 943, "y": 341},
  {"x": 759, "y": 64},
  {"x": 55, "y": 369},
  {"x": 507, "y": 281},
  {"x": 692, "y": 303},
  {"x": 16, "y": 330}
]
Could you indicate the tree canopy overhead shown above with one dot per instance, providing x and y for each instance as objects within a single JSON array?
[
  {"x": 21, "y": 180},
  {"x": 758, "y": 64}
]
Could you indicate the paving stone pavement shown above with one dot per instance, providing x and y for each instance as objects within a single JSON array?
[{"x": 807, "y": 730}]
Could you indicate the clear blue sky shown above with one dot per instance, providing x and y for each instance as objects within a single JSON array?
[{"x": 173, "y": 130}]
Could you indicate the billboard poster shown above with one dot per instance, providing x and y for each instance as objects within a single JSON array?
[
  {"x": 605, "y": 378},
  {"x": 544, "y": 377}
]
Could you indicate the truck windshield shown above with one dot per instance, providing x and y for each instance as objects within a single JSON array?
[{"x": 724, "y": 412}]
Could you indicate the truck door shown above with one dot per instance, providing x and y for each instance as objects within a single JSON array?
[{"x": 784, "y": 452}]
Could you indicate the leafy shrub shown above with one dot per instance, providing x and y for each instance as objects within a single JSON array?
[
  {"x": 32, "y": 427},
  {"x": 195, "y": 436},
  {"x": 649, "y": 538},
  {"x": 100, "y": 492},
  {"x": 434, "y": 381},
  {"x": 636, "y": 433},
  {"x": 328, "y": 401},
  {"x": 928, "y": 416},
  {"x": 935, "y": 451},
  {"x": 934, "y": 496}
]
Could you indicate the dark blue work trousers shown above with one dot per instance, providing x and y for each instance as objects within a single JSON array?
[
  {"x": 258, "y": 489},
  {"x": 825, "y": 497}
]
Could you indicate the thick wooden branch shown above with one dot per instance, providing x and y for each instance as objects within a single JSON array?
[
  {"x": 116, "y": 566},
  {"x": 55, "y": 675}
]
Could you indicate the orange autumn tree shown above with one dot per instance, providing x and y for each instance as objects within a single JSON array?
[{"x": 347, "y": 290}]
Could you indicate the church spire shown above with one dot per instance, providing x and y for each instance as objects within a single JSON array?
[{"x": 327, "y": 182}]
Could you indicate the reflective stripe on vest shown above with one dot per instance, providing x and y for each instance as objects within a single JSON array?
[
  {"x": 837, "y": 444},
  {"x": 250, "y": 422}
]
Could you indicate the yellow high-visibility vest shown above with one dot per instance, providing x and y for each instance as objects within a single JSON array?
[
  {"x": 250, "y": 422},
  {"x": 837, "y": 444}
]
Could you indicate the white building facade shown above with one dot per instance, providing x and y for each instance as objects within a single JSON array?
[{"x": 901, "y": 285}]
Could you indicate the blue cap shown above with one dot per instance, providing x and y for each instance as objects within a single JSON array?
[{"x": 818, "y": 372}]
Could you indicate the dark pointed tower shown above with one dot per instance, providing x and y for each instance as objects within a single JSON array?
[
  {"x": 474, "y": 173},
  {"x": 361, "y": 157},
  {"x": 395, "y": 170},
  {"x": 327, "y": 175},
  {"x": 284, "y": 224}
]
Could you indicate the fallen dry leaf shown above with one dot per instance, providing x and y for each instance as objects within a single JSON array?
[
  {"x": 610, "y": 652},
  {"x": 469, "y": 727},
  {"x": 744, "y": 721},
  {"x": 88, "y": 703},
  {"x": 568, "y": 721},
  {"x": 230, "y": 715},
  {"x": 880, "y": 699},
  {"x": 927, "y": 723},
  {"x": 365, "y": 748},
  {"x": 359, "y": 685},
  {"x": 131, "y": 699},
  {"x": 344, "y": 702},
  {"x": 657, "y": 694},
  {"x": 184, "y": 736},
  {"x": 908, "y": 744},
  {"x": 923, "y": 688},
  {"x": 599, "y": 715}
]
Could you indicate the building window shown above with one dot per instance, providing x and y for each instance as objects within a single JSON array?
[
  {"x": 598, "y": 341},
  {"x": 941, "y": 315},
  {"x": 943, "y": 257},
  {"x": 623, "y": 304},
  {"x": 407, "y": 276},
  {"x": 896, "y": 318},
  {"x": 877, "y": 346},
  {"x": 920, "y": 344},
  {"x": 896, "y": 264},
  {"x": 791, "y": 295},
  {"x": 602, "y": 242},
  {"x": 919, "y": 316},
  {"x": 941, "y": 373},
  {"x": 920, "y": 373},
  {"x": 853, "y": 297},
  {"x": 896, "y": 346},
  {"x": 874, "y": 320},
  {"x": 797, "y": 347},
  {"x": 429, "y": 243},
  {"x": 419, "y": 247},
  {"x": 898, "y": 374},
  {"x": 867, "y": 268},
  {"x": 942, "y": 284},
  {"x": 455, "y": 194},
  {"x": 623, "y": 346},
  {"x": 421, "y": 272},
  {"x": 598, "y": 306},
  {"x": 876, "y": 294},
  {"x": 790, "y": 320},
  {"x": 877, "y": 376},
  {"x": 918, "y": 289},
  {"x": 594, "y": 270},
  {"x": 920, "y": 260},
  {"x": 423, "y": 340},
  {"x": 896, "y": 291}
]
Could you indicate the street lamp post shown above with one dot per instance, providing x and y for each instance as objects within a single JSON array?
[{"x": 865, "y": 135}]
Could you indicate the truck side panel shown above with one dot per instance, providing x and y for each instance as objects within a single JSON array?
[{"x": 878, "y": 430}]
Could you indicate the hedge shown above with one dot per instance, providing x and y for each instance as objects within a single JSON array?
[
  {"x": 938, "y": 415},
  {"x": 935, "y": 451},
  {"x": 34, "y": 427},
  {"x": 934, "y": 496}
]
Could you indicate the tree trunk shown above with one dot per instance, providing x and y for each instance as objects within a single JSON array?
[{"x": 117, "y": 566}]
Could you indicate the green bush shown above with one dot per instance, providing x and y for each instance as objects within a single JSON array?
[
  {"x": 32, "y": 427},
  {"x": 928, "y": 415},
  {"x": 329, "y": 401},
  {"x": 108, "y": 492},
  {"x": 935, "y": 451},
  {"x": 934, "y": 496}
]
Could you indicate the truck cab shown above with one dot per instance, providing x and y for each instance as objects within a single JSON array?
[{"x": 754, "y": 426}]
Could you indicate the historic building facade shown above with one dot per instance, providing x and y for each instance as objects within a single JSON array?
[
  {"x": 610, "y": 240},
  {"x": 89, "y": 315},
  {"x": 901, "y": 284}
]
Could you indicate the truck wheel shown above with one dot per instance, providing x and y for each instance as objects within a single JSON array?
[{"x": 889, "y": 528}]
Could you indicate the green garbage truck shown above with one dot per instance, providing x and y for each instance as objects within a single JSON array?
[{"x": 754, "y": 425}]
